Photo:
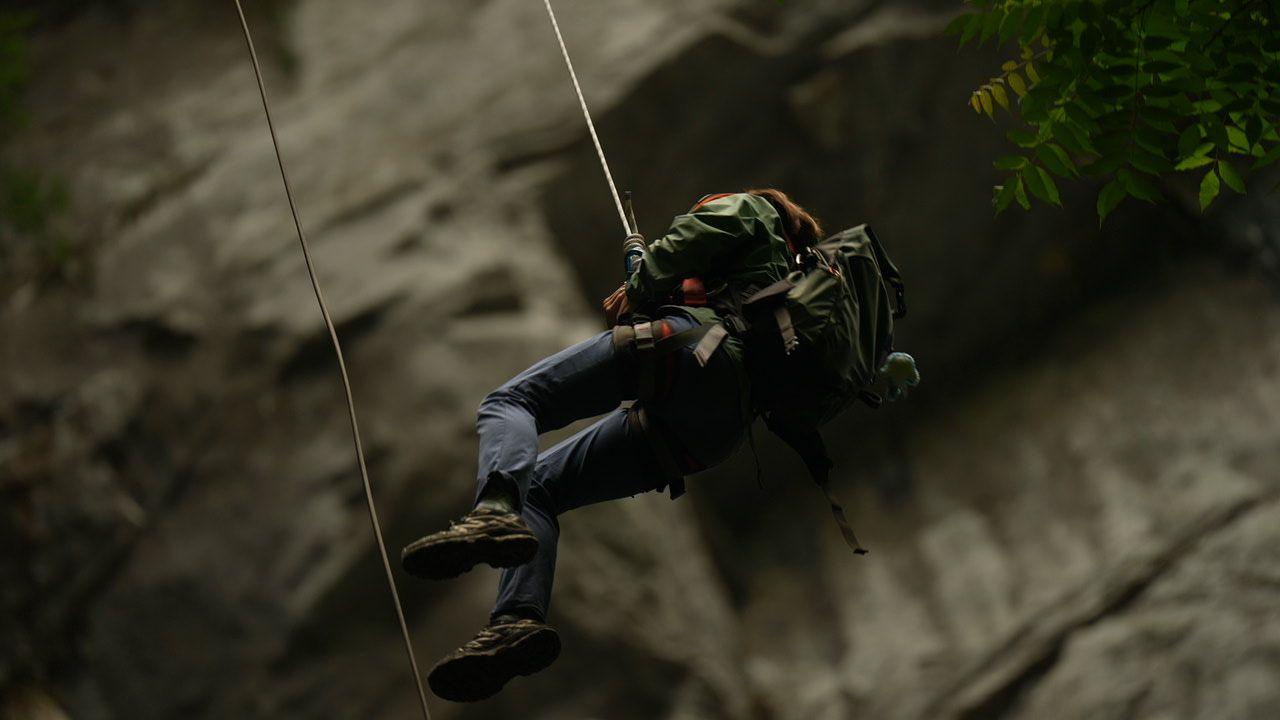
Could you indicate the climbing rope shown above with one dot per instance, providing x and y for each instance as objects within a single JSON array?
[
  {"x": 591, "y": 126},
  {"x": 333, "y": 333},
  {"x": 342, "y": 365}
]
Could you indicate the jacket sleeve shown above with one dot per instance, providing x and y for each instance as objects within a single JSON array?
[{"x": 694, "y": 245}]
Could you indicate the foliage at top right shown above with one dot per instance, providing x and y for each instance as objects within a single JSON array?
[{"x": 1132, "y": 92}]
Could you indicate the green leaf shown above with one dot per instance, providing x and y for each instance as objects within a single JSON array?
[
  {"x": 1041, "y": 184},
  {"x": 1158, "y": 117},
  {"x": 958, "y": 24},
  {"x": 1050, "y": 186},
  {"x": 1009, "y": 25},
  {"x": 1138, "y": 186},
  {"x": 1072, "y": 139},
  {"x": 1011, "y": 162},
  {"x": 1092, "y": 102},
  {"x": 973, "y": 24},
  {"x": 1034, "y": 21},
  {"x": 1118, "y": 92},
  {"x": 1240, "y": 104},
  {"x": 1080, "y": 116},
  {"x": 1059, "y": 15},
  {"x": 1104, "y": 165},
  {"x": 1188, "y": 140},
  {"x": 1230, "y": 176},
  {"x": 1272, "y": 155},
  {"x": 1236, "y": 140},
  {"x": 1002, "y": 97},
  {"x": 1205, "y": 107},
  {"x": 990, "y": 22},
  {"x": 1253, "y": 125},
  {"x": 1032, "y": 75},
  {"x": 1110, "y": 196},
  {"x": 1022, "y": 138},
  {"x": 1216, "y": 131},
  {"x": 1020, "y": 194},
  {"x": 1018, "y": 85},
  {"x": 984, "y": 98},
  {"x": 1055, "y": 158},
  {"x": 1150, "y": 139},
  {"x": 1033, "y": 108},
  {"x": 1149, "y": 162},
  {"x": 1004, "y": 196},
  {"x": 1209, "y": 188},
  {"x": 1193, "y": 162},
  {"x": 1160, "y": 66},
  {"x": 1162, "y": 91}
]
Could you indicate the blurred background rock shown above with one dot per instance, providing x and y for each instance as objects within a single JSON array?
[{"x": 1072, "y": 518}]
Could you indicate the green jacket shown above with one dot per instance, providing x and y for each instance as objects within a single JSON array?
[{"x": 734, "y": 242}]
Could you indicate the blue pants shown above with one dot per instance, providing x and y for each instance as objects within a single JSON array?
[{"x": 701, "y": 406}]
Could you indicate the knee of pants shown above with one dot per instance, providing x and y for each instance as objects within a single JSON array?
[{"x": 502, "y": 403}]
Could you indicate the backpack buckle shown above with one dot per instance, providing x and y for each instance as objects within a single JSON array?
[{"x": 644, "y": 336}]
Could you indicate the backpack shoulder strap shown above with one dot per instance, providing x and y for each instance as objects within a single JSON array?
[
  {"x": 890, "y": 273},
  {"x": 812, "y": 450}
]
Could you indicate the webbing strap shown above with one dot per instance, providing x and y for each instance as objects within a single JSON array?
[
  {"x": 342, "y": 366},
  {"x": 705, "y": 336},
  {"x": 813, "y": 452},
  {"x": 837, "y": 511},
  {"x": 644, "y": 336},
  {"x": 663, "y": 453},
  {"x": 710, "y": 341},
  {"x": 785, "y": 328}
]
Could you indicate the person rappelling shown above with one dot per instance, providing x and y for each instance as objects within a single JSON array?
[{"x": 739, "y": 311}]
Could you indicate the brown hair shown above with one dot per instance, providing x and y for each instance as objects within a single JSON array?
[{"x": 802, "y": 229}]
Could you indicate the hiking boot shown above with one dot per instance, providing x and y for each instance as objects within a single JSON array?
[
  {"x": 498, "y": 653},
  {"x": 483, "y": 535}
]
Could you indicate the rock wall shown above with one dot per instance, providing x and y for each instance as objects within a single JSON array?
[{"x": 1071, "y": 519}]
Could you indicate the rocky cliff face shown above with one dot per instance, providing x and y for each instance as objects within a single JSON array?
[{"x": 1074, "y": 518}]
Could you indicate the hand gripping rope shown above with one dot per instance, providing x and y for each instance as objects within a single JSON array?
[{"x": 333, "y": 333}]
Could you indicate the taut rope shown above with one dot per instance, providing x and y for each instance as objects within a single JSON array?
[
  {"x": 342, "y": 365},
  {"x": 591, "y": 126}
]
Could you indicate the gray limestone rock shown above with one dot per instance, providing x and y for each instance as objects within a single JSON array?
[{"x": 1073, "y": 518}]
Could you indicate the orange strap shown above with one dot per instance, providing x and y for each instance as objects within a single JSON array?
[{"x": 710, "y": 198}]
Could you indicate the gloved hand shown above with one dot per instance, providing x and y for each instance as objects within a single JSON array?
[
  {"x": 616, "y": 305},
  {"x": 899, "y": 373}
]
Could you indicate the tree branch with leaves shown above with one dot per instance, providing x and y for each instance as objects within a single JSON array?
[{"x": 1129, "y": 92}]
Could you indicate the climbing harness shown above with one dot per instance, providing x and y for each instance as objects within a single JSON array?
[{"x": 342, "y": 364}]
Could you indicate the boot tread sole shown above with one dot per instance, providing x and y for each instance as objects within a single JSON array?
[
  {"x": 443, "y": 558},
  {"x": 477, "y": 676}
]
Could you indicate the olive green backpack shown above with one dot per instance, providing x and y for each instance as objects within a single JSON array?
[{"x": 821, "y": 339}]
